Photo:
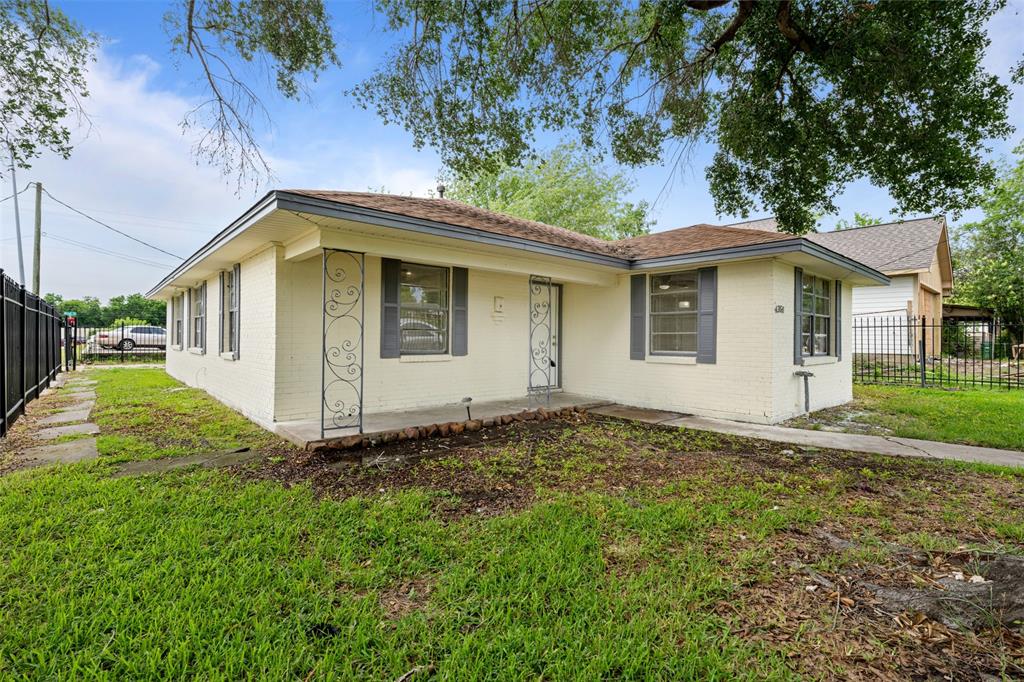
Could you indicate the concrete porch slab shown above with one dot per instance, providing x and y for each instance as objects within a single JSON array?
[
  {"x": 306, "y": 433},
  {"x": 639, "y": 414}
]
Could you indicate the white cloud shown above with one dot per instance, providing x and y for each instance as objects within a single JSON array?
[{"x": 134, "y": 169}]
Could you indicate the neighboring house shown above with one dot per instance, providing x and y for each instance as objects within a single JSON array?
[
  {"x": 915, "y": 255},
  {"x": 319, "y": 307}
]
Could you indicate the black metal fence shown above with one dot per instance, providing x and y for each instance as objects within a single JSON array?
[
  {"x": 30, "y": 340},
  {"x": 124, "y": 343},
  {"x": 925, "y": 351}
]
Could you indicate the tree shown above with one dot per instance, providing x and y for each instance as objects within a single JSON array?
[
  {"x": 859, "y": 220},
  {"x": 43, "y": 60},
  {"x": 566, "y": 189},
  {"x": 991, "y": 251},
  {"x": 92, "y": 313},
  {"x": 44, "y": 56},
  {"x": 799, "y": 97}
]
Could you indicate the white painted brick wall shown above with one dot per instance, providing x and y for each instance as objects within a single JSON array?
[
  {"x": 832, "y": 383},
  {"x": 495, "y": 367},
  {"x": 738, "y": 386},
  {"x": 246, "y": 384}
]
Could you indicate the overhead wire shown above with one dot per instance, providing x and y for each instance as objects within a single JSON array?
[
  {"x": 96, "y": 249},
  {"x": 110, "y": 227}
]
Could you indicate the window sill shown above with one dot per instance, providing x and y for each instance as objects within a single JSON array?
[
  {"x": 425, "y": 358},
  {"x": 672, "y": 359},
  {"x": 197, "y": 351},
  {"x": 175, "y": 347},
  {"x": 815, "y": 360},
  {"x": 227, "y": 356}
]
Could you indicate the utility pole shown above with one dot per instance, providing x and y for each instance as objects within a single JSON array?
[
  {"x": 17, "y": 220},
  {"x": 39, "y": 237}
]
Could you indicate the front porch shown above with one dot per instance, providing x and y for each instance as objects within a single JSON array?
[{"x": 307, "y": 433}]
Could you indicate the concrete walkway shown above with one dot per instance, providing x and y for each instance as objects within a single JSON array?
[
  {"x": 882, "y": 445},
  {"x": 71, "y": 419}
]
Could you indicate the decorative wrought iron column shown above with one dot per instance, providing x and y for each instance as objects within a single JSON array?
[
  {"x": 341, "y": 373},
  {"x": 539, "y": 377}
]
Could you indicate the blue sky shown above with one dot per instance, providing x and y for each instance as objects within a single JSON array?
[{"x": 133, "y": 168}]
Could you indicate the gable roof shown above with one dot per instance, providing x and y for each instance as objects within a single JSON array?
[
  {"x": 695, "y": 239},
  {"x": 904, "y": 246}
]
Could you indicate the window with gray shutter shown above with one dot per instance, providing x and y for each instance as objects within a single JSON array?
[
  {"x": 460, "y": 311},
  {"x": 637, "y": 317},
  {"x": 798, "y": 297},
  {"x": 707, "y": 318},
  {"x": 839, "y": 321},
  {"x": 390, "y": 338}
]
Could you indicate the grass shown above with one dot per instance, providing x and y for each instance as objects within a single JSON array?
[
  {"x": 986, "y": 417},
  {"x": 639, "y": 555},
  {"x": 144, "y": 413}
]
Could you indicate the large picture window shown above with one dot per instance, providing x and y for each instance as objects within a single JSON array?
[
  {"x": 423, "y": 309},
  {"x": 816, "y": 316},
  {"x": 674, "y": 308}
]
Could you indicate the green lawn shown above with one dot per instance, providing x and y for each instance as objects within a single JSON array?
[
  {"x": 988, "y": 417},
  {"x": 586, "y": 551}
]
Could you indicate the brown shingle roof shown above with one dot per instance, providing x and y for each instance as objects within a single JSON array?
[
  {"x": 463, "y": 215},
  {"x": 892, "y": 247},
  {"x": 684, "y": 240},
  {"x": 697, "y": 238}
]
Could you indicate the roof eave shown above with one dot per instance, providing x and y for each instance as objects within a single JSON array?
[
  {"x": 773, "y": 248},
  {"x": 334, "y": 209}
]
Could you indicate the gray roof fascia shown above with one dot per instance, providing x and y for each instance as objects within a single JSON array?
[
  {"x": 795, "y": 245},
  {"x": 331, "y": 209}
]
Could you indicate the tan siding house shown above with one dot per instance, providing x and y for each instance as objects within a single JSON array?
[
  {"x": 915, "y": 255},
  {"x": 318, "y": 312}
]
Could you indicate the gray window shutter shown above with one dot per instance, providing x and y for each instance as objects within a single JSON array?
[
  {"x": 390, "y": 334},
  {"x": 206, "y": 321},
  {"x": 707, "y": 314},
  {"x": 798, "y": 307},
  {"x": 637, "y": 317},
  {"x": 220, "y": 317},
  {"x": 460, "y": 311},
  {"x": 186, "y": 319},
  {"x": 838, "y": 335},
  {"x": 238, "y": 307}
]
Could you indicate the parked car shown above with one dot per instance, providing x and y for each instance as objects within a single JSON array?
[{"x": 133, "y": 337}]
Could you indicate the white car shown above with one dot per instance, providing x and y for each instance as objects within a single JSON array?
[{"x": 133, "y": 337}]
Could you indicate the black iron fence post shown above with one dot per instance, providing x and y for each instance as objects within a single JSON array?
[
  {"x": 3, "y": 352},
  {"x": 120, "y": 342},
  {"x": 923, "y": 352}
]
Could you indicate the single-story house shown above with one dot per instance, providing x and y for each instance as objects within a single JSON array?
[
  {"x": 322, "y": 307},
  {"x": 915, "y": 255}
]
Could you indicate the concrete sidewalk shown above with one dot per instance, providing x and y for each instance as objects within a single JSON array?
[{"x": 882, "y": 445}]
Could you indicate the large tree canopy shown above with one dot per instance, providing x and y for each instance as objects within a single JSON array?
[
  {"x": 990, "y": 252},
  {"x": 566, "y": 189},
  {"x": 800, "y": 98}
]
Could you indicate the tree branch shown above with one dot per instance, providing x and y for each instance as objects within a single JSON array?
[{"x": 796, "y": 36}]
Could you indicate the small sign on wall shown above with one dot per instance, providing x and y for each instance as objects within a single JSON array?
[
  {"x": 780, "y": 308},
  {"x": 499, "y": 304}
]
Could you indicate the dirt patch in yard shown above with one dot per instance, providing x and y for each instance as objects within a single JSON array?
[{"x": 878, "y": 582}]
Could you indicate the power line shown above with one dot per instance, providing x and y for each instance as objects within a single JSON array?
[
  {"x": 11, "y": 196},
  {"x": 105, "y": 252},
  {"x": 111, "y": 228}
]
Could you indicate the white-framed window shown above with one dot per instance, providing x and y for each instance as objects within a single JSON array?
[
  {"x": 423, "y": 312},
  {"x": 816, "y": 315},
  {"x": 197, "y": 317},
  {"x": 177, "y": 319},
  {"x": 229, "y": 311},
  {"x": 673, "y": 309}
]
